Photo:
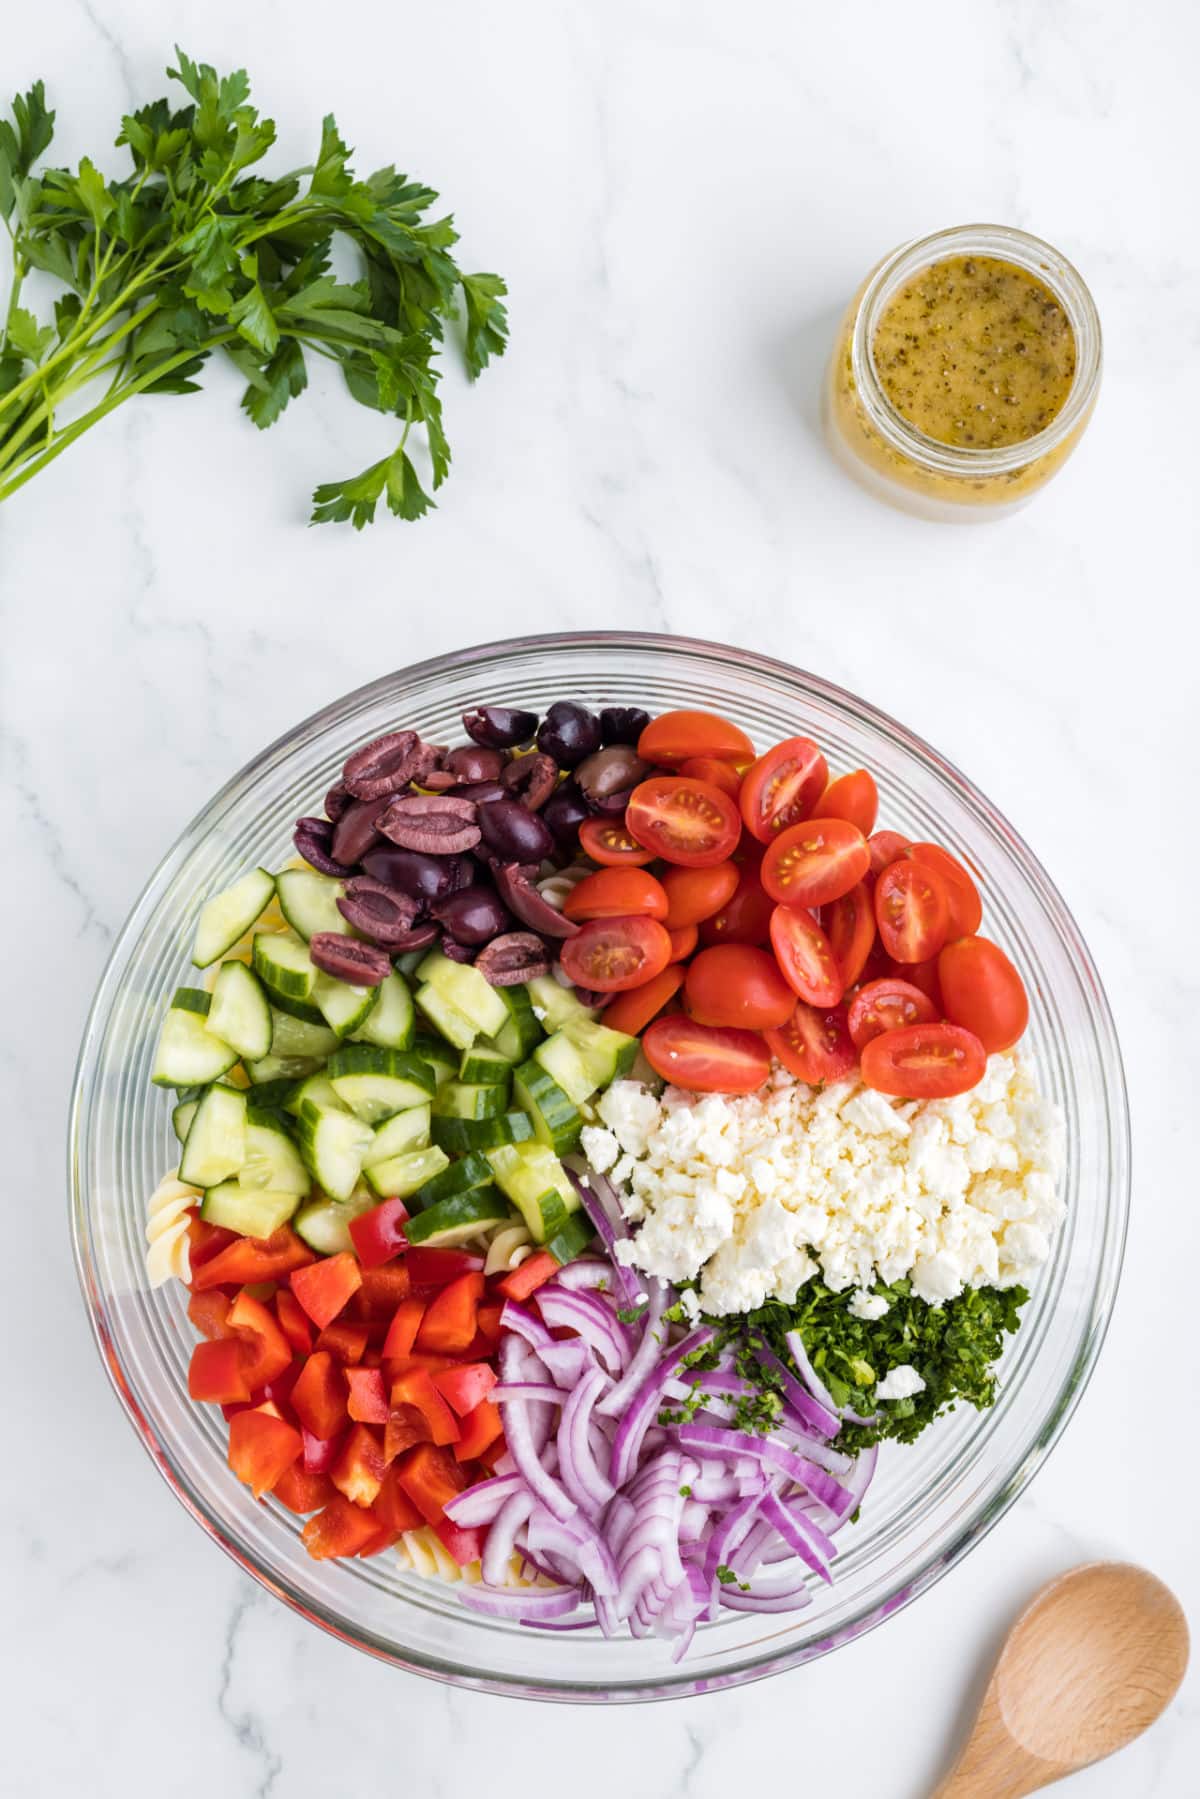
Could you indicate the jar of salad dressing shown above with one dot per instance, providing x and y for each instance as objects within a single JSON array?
[{"x": 964, "y": 373}]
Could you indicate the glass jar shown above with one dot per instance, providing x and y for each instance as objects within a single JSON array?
[{"x": 901, "y": 464}]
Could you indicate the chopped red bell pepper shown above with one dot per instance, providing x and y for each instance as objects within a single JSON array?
[
  {"x": 319, "y": 1396},
  {"x": 256, "y": 1326},
  {"x": 293, "y": 1321},
  {"x": 360, "y": 1468},
  {"x": 319, "y": 1453},
  {"x": 383, "y": 1539},
  {"x": 493, "y": 1452},
  {"x": 249, "y": 1259},
  {"x": 325, "y": 1287},
  {"x": 405, "y": 1428},
  {"x": 449, "y": 1323},
  {"x": 340, "y": 1528},
  {"x": 478, "y": 1430},
  {"x": 402, "y": 1332},
  {"x": 279, "y": 1389},
  {"x": 382, "y": 1290},
  {"x": 206, "y": 1240},
  {"x": 533, "y": 1273},
  {"x": 416, "y": 1388},
  {"x": 217, "y": 1372},
  {"x": 392, "y": 1506},
  {"x": 465, "y": 1386},
  {"x": 301, "y": 1490},
  {"x": 432, "y": 1364},
  {"x": 209, "y": 1313},
  {"x": 378, "y": 1235},
  {"x": 466, "y": 1546},
  {"x": 261, "y": 1448},
  {"x": 487, "y": 1321},
  {"x": 431, "y": 1477},
  {"x": 346, "y": 1342},
  {"x": 368, "y": 1402},
  {"x": 437, "y": 1267}
]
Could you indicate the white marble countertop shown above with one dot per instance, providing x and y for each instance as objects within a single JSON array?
[{"x": 682, "y": 196}]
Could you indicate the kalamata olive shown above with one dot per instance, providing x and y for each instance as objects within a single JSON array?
[
  {"x": 475, "y": 915},
  {"x": 339, "y": 799},
  {"x": 512, "y": 832},
  {"x": 523, "y": 899},
  {"x": 422, "y": 936},
  {"x": 613, "y": 804},
  {"x": 358, "y": 829},
  {"x": 518, "y": 956},
  {"x": 386, "y": 765},
  {"x": 383, "y": 914},
  {"x": 569, "y": 733},
  {"x": 426, "y": 878},
  {"x": 610, "y": 771},
  {"x": 622, "y": 724},
  {"x": 349, "y": 959},
  {"x": 435, "y": 823},
  {"x": 499, "y": 727},
  {"x": 438, "y": 780},
  {"x": 313, "y": 838},
  {"x": 587, "y": 996},
  {"x": 531, "y": 779},
  {"x": 564, "y": 812},
  {"x": 457, "y": 952},
  {"x": 480, "y": 791},
  {"x": 471, "y": 763}
]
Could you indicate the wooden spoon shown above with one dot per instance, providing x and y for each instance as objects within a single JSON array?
[{"x": 1088, "y": 1666}]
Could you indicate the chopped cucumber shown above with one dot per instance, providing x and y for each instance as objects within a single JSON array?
[
  {"x": 461, "y": 1134},
  {"x": 464, "y": 988},
  {"x": 240, "y": 1014},
  {"x": 308, "y": 901},
  {"x": 572, "y": 1238},
  {"x": 344, "y": 1008},
  {"x": 409, "y": 962},
  {"x": 402, "y": 1176},
  {"x": 521, "y": 1031},
  {"x": 606, "y": 1055},
  {"x": 216, "y": 1142},
  {"x": 456, "y": 1220},
  {"x": 324, "y": 1224},
  {"x": 285, "y": 965},
  {"x": 376, "y": 1083},
  {"x": 458, "y": 1100},
  {"x": 563, "y": 1062},
  {"x": 228, "y": 916},
  {"x": 454, "y": 1025},
  {"x": 282, "y": 1068},
  {"x": 538, "y": 1185},
  {"x": 272, "y": 1159},
  {"x": 296, "y": 1008},
  {"x": 556, "y": 1122},
  {"x": 458, "y": 1177},
  {"x": 333, "y": 1144},
  {"x": 440, "y": 1057},
  {"x": 557, "y": 1003},
  {"x": 294, "y": 1037},
  {"x": 319, "y": 1089},
  {"x": 181, "y": 1117},
  {"x": 267, "y": 1095},
  {"x": 406, "y": 1131},
  {"x": 252, "y": 1211},
  {"x": 484, "y": 1068},
  {"x": 389, "y": 1023},
  {"x": 189, "y": 1054}
]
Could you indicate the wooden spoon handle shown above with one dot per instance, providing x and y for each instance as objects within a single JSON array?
[{"x": 993, "y": 1766}]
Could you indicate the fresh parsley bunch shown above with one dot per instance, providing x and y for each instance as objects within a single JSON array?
[{"x": 188, "y": 254}]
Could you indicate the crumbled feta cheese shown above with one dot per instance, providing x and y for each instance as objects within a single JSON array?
[
  {"x": 600, "y": 1147},
  {"x": 868, "y": 1306},
  {"x": 901, "y": 1383}
]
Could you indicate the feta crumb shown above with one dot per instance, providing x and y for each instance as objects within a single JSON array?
[
  {"x": 902, "y": 1383},
  {"x": 600, "y": 1147},
  {"x": 868, "y": 1306}
]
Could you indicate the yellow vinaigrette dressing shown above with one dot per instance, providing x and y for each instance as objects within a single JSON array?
[{"x": 962, "y": 380}]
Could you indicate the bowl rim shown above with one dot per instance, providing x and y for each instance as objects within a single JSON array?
[{"x": 681, "y": 1682}]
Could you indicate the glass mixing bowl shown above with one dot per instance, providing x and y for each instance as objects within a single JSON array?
[{"x": 928, "y": 1505}]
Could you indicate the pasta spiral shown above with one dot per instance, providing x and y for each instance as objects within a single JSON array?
[
  {"x": 507, "y": 1247},
  {"x": 423, "y": 1552},
  {"x": 556, "y": 887},
  {"x": 167, "y": 1216}
]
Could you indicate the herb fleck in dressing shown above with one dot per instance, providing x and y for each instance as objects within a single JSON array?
[{"x": 975, "y": 352}]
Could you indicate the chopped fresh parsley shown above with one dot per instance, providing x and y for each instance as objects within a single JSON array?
[{"x": 728, "y": 1578}]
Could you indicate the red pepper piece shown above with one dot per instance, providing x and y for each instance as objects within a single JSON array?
[
  {"x": 405, "y": 1428},
  {"x": 261, "y": 1448},
  {"x": 319, "y": 1396},
  {"x": 449, "y": 1323},
  {"x": 217, "y": 1372},
  {"x": 402, "y": 1332},
  {"x": 392, "y": 1506},
  {"x": 383, "y": 1539},
  {"x": 466, "y": 1546},
  {"x": 479, "y": 1430},
  {"x": 256, "y": 1326},
  {"x": 431, "y": 1477},
  {"x": 319, "y": 1453},
  {"x": 301, "y": 1490},
  {"x": 416, "y": 1388},
  {"x": 205, "y": 1241},
  {"x": 360, "y": 1468},
  {"x": 293, "y": 1322},
  {"x": 383, "y": 1288},
  {"x": 464, "y": 1387},
  {"x": 250, "y": 1259},
  {"x": 533, "y": 1273},
  {"x": 368, "y": 1402},
  {"x": 438, "y": 1267},
  {"x": 340, "y": 1528},
  {"x": 326, "y": 1287},
  {"x": 487, "y": 1321},
  {"x": 345, "y": 1342},
  {"x": 209, "y": 1313},
  {"x": 378, "y": 1235}
]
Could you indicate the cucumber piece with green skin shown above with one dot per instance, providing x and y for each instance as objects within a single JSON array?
[
  {"x": 216, "y": 1141},
  {"x": 538, "y": 1185},
  {"x": 556, "y": 1122},
  {"x": 191, "y": 999},
  {"x": 557, "y": 1003},
  {"x": 521, "y": 1031},
  {"x": 333, "y": 1144},
  {"x": 454, "y": 1025},
  {"x": 272, "y": 1160},
  {"x": 252, "y": 1211},
  {"x": 227, "y": 917},
  {"x": 572, "y": 1238},
  {"x": 181, "y": 1117},
  {"x": 188, "y": 1053},
  {"x": 459, "y": 1177},
  {"x": 564, "y": 1064},
  {"x": 296, "y": 1008},
  {"x": 409, "y": 962},
  {"x": 294, "y": 1037},
  {"x": 464, "y": 988},
  {"x": 389, "y": 1023},
  {"x": 319, "y": 1089},
  {"x": 345, "y": 1009},
  {"x": 402, "y": 1176},
  {"x": 270, "y": 1096},
  {"x": 308, "y": 901},
  {"x": 400, "y": 1135},
  {"x": 461, "y": 1134},
  {"x": 482, "y": 1067},
  {"x": 376, "y": 1083},
  {"x": 285, "y": 965},
  {"x": 458, "y": 1100},
  {"x": 324, "y": 1224},
  {"x": 240, "y": 1013},
  {"x": 457, "y": 1220},
  {"x": 291, "y": 1069},
  {"x": 440, "y": 1057},
  {"x": 606, "y": 1055}
]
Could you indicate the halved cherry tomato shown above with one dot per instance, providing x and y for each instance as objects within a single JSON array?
[
  {"x": 617, "y": 893},
  {"x": 783, "y": 787},
  {"x": 683, "y": 941},
  {"x": 853, "y": 797},
  {"x": 806, "y": 959},
  {"x": 611, "y": 954},
  {"x": 923, "y": 975},
  {"x": 812, "y": 863},
  {"x": 982, "y": 991},
  {"x": 736, "y": 984},
  {"x": 694, "y": 894},
  {"x": 704, "y": 1057},
  {"x": 718, "y": 774},
  {"x": 886, "y": 847},
  {"x": 815, "y": 1045},
  {"x": 887, "y": 1005},
  {"x": 632, "y": 1011},
  {"x": 683, "y": 821},
  {"x": 849, "y": 924},
  {"x": 912, "y": 911},
  {"x": 924, "y": 1061},
  {"x": 747, "y": 916},
  {"x": 607, "y": 841},
  {"x": 674, "y": 737},
  {"x": 966, "y": 907}
]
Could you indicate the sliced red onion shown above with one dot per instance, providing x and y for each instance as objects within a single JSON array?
[
  {"x": 528, "y": 1605},
  {"x": 525, "y": 1451},
  {"x": 480, "y": 1504},
  {"x": 839, "y": 1499},
  {"x": 585, "y": 1274},
  {"x": 815, "y": 1413},
  {"x": 520, "y": 1320},
  {"x": 723, "y": 1542},
  {"x": 784, "y": 1593},
  {"x": 802, "y": 1536},
  {"x": 820, "y": 1391},
  {"x": 577, "y": 1541},
  {"x": 608, "y": 1231},
  {"x": 501, "y": 1540},
  {"x": 567, "y": 1361},
  {"x": 645, "y": 1355},
  {"x": 646, "y": 1400},
  {"x": 594, "y": 1322},
  {"x": 528, "y": 1392},
  {"x": 581, "y": 1476}
]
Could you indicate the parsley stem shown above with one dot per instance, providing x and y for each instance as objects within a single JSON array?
[{"x": 76, "y": 338}]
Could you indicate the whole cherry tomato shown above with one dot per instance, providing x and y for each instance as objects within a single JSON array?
[
  {"x": 694, "y": 894},
  {"x": 610, "y": 954},
  {"x": 924, "y": 1061},
  {"x": 812, "y": 863},
  {"x": 683, "y": 821},
  {"x": 675, "y": 737},
  {"x": 736, "y": 984},
  {"x": 704, "y": 1057},
  {"x": 632, "y": 1010},
  {"x": 853, "y": 797},
  {"x": 616, "y": 893},
  {"x": 683, "y": 941},
  {"x": 747, "y": 916},
  {"x": 718, "y": 774},
  {"x": 886, "y": 847},
  {"x": 782, "y": 787},
  {"x": 982, "y": 991}
]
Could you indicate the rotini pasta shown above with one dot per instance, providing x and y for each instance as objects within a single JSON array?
[
  {"x": 167, "y": 1229},
  {"x": 507, "y": 1247},
  {"x": 423, "y": 1552},
  {"x": 556, "y": 887}
]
